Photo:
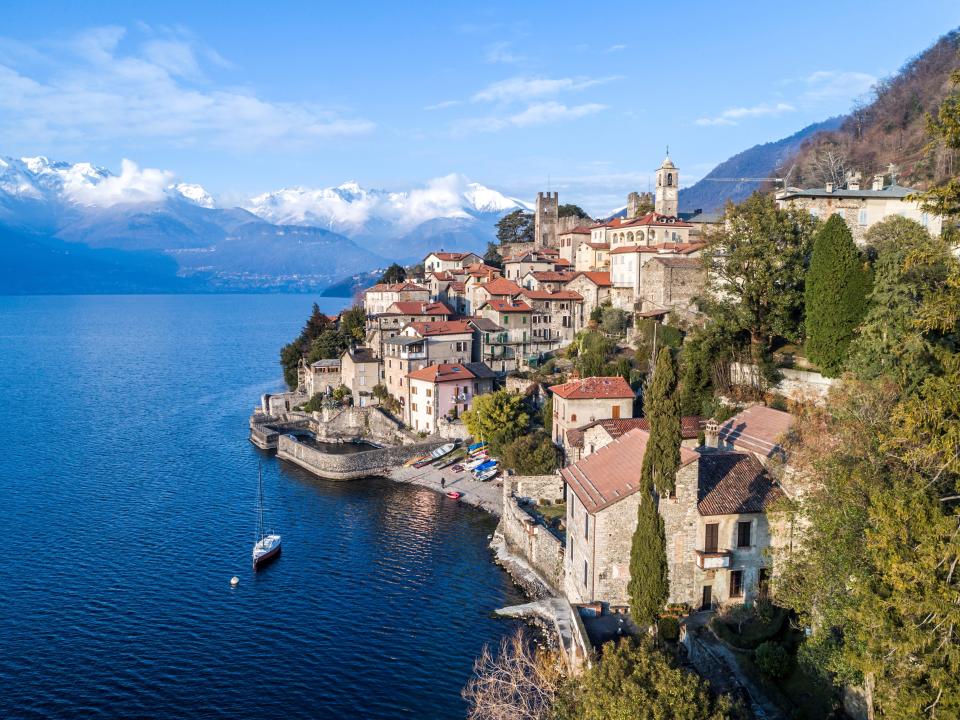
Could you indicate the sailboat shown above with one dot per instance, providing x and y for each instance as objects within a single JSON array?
[{"x": 266, "y": 547}]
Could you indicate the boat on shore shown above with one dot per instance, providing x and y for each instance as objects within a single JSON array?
[
  {"x": 442, "y": 450},
  {"x": 455, "y": 494},
  {"x": 487, "y": 474},
  {"x": 267, "y": 545}
]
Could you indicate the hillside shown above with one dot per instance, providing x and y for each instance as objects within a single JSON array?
[
  {"x": 709, "y": 194},
  {"x": 889, "y": 127}
]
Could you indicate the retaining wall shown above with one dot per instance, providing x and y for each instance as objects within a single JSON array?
[
  {"x": 798, "y": 385},
  {"x": 353, "y": 465},
  {"x": 532, "y": 541},
  {"x": 362, "y": 423}
]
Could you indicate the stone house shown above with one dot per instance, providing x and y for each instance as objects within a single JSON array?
[
  {"x": 421, "y": 344},
  {"x": 443, "y": 390},
  {"x": 360, "y": 370},
  {"x": 592, "y": 256},
  {"x": 437, "y": 261},
  {"x": 551, "y": 280},
  {"x": 378, "y": 298},
  {"x": 517, "y": 267},
  {"x": 495, "y": 289},
  {"x": 388, "y": 324},
  {"x": 861, "y": 208},
  {"x": 491, "y": 346},
  {"x": 570, "y": 240},
  {"x": 594, "y": 287},
  {"x": 586, "y": 440},
  {"x": 582, "y": 401},
  {"x": 718, "y": 533},
  {"x": 322, "y": 376},
  {"x": 671, "y": 282},
  {"x": 627, "y": 265},
  {"x": 553, "y": 322}
]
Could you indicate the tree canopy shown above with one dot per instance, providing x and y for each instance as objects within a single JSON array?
[
  {"x": 661, "y": 402},
  {"x": 532, "y": 454},
  {"x": 498, "y": 418},
  {"x": 944, "y": 130},
  {"x": 394, "y": 274},
  {"x": 492, "y": 256},
  {"x": 516, "y": 226},
  {"x": 571, "y": 210},
  {"x": 835, "y": 297}
]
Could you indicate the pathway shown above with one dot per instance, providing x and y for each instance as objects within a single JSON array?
[{"x": 485, "y": 495}]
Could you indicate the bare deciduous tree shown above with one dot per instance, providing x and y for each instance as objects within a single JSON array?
[
  {"x": 520, "y": 683},
  {"x": 830, "y": 166}
]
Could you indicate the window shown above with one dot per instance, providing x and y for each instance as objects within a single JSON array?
[
  {"x": 429, "y": 412},
  {"x": 743, "y": 534},
  {"x": 711, "y": 536},
  {"x": 573, "y": 417},
  {"x": 862, "y": 217},
  {"x": 586, "y": 526},
  {"x": 616, "y": 412},
  {"x": 429, "y": 392},
  {"x": 586, "y": 573},
  {"x": 413, "y": 389},
  {"x": 413, "y": 406},
  {"x": 736, "y": 583}
]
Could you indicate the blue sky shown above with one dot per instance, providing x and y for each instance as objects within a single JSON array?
[{"x": 266, "y": 95}]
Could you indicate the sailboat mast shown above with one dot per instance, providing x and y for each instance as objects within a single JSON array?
[{"x": 259, "y": 502}]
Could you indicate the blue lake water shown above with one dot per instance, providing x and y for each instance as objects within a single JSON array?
[{"x": 127, "y": 501}]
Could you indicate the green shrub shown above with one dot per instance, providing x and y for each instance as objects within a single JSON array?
[
  {"x": 772, "y": 659},
  {"x": 669, "y": 629}
]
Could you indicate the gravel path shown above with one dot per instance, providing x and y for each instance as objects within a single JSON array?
[{"x": 485, "y": 495}]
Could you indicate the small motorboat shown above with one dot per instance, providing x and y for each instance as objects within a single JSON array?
[
  {"x": 476, "y": 462},
  {"x": 423, "y": 462},
  {"x": 484, "y": 466},
  {"x": 414, "y": 460},
  {"x": 476, "y": 446},
  {"x": 455, "y": 494},
  {"x": 442, "y": 450},
  {"x": 487, "y": 474}
]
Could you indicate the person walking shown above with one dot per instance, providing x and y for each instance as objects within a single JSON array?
[{"x": 443, "y": 483}]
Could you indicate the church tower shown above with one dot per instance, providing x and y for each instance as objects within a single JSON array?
[
  {"x": 668, "y": 188},
  {"x": 545, "y": 220}
]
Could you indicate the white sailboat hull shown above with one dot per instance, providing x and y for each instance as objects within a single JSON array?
[{"x": 265, "y": 550}]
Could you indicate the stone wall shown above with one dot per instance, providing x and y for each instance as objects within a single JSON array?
[
  {"x": 798, "y": 385},
  {"x": 452, "y": 429},
  {"x": 350, "y": 466},
  {"x": 681, "y": 525},
  {"x": 362, "y": 423},
  {"x": 534, "y": 487},
  {"x": 531, "y": 540}
]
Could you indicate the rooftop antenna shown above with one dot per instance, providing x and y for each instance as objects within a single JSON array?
[{"x": 668, "y": 151}]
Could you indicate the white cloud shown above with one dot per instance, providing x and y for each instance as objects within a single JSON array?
[
  {"x": 92, "y": 92},
  {"x": 536, "y": 114},
  {"x": 443, "y": 105},
  {"x": 732, "y": 115},
  {"x": 616, "y": 48},
  {"x": 131, "y": 185},
  {"x": 500, "y": 52},
  {"x": 826, "y": 85},
  {"x": 523, "y": 88}
]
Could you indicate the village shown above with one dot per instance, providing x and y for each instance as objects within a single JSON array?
[{"x": 463, "y": 325}]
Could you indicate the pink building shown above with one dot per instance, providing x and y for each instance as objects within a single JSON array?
[{"x": 444, "y": 389}]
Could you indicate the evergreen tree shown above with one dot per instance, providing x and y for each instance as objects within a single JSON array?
[
  {"x": 662, "y": 408},
  {"x": 492, "y": 256},
  {"x": 649, "y": 584},
  {"x": 394, "y": 274},
  {"x": 571, "y": 210},
  {"x": 835, "y": 297},
  {"x": 516, "y": 226},
  {"x": 944, "y": 131}
]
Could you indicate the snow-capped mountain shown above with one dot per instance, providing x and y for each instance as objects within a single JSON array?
[{"x": 357, "y": 211}]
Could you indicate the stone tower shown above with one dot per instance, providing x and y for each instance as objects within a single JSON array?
[
  {"x": 545, "y": 221},
  {"x": 668, "y": 188},
  {"x": 639, "y": 204}
]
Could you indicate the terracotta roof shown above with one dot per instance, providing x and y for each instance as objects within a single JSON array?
[
  {"x": 442, "y": 372},
  {"x": 598, "y": 246},
  {"x": 458, "y": 286},
  {"x": 579, "y": 230},
  {"x": 552, "y": 275},
  {"x": 442, "y": 275},
  {"x": 651, "y": 218},
  {"x": 442, "y": 327},
  {"x": 661, "y": 248},
  {"x": 507, "y": 306},
  {"x": 690, "y": 427},
  {"x": 654, "y": 249},
  {"x": 613, "y": 472},
  {"x": 731, "y": 483},
  {"x": 555, "y": 295},
  {"x": 412, "y": 307},
  {"x": 481, "y": 270},
  {"x": 561, "y": 262},
  {"x": 757, "y": 429},
  {"x": 397, "y": 287},
  {"x": 594, "y": 387},
  {"x": 501, "y": 286},
  {"x": 599, "y": 278},
  {"x": 452, "y": 255}
]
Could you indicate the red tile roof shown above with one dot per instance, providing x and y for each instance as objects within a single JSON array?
[
  {"x": 501, "y": 286},
  {"x": 561, "y": 262},
  {"x": 579, "y": 230},
  {"x": 452, "y": 255},
  {"x": 397, "y": 287},
  {"x": 690, "y": 427},
  {"x": 594, "y": 387},
  {"x": 554, "y": 295},
  {"x": 599, "y": 278},
  {"x": 598, "y": 246},
  {"x": 507, "y": 306},
  {"x": 412, "y": 307},
  {"x": 441, "y": 327},
  {"x": 442, "y": 372},
  {"x": 734, "y": 483},
  {"x": 553, "y": 275},
  {"x": 442, "y": 275},
  {"x": 664, "y": 248},
  {"x": 458, "y": 286},
  {"x": 613, "y": 472},
  {"x": 757, "y": 429}
]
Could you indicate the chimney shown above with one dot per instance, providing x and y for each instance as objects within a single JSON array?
[
  {"x": 829, "y": 187},
  {"x": 877, "y": 182},
  {"x": 853, "y": 180},
  {"x": 712, "y": 434}
]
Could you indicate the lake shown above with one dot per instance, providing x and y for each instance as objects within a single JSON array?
[{"x": 127, "y": 501}]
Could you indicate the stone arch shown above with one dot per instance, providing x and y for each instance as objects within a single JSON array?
[
  {"x": 669, "y": 179},
  {"x": 630, "y": 237}
]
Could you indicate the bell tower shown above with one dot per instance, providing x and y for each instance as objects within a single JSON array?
[{"x": 667, "y": 200}]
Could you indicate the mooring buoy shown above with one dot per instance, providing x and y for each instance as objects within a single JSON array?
[{"x": 234, "y": 581}]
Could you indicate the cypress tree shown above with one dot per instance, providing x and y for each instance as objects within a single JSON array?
[
  {"x": 835, "y": 298},
  {"x": 662, "y": 405},
  {"x": 649, "y": 584}
]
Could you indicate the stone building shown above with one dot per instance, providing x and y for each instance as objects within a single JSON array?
[
  {"x": 582, "y": 401},
  {"x": 421, "y": 344},
  {"x": 517, "y": 267},
  {"x": 672, "y": 282},
  {"x": 551, "y": 280},
  {"x": 496, "y": 289},
  {"x": 586, "y": 440},
  {"x": 569, "y": 241},
  {"x": 553, "y": 321},
  {"x": 388, "y": 324},
  {"x": 378, "y": 298},
  {"x": 861, "y": 208},
  {"x": 716, "y": 524},
  {"x": 545, "y": 220},
  {"x": 444, "y": 390},
  {"x": 322, "y": 376},
  {"x": 360, "y": 370},
  {"x": 639, "y": 204},
  {"x": 594, "y": 287}
]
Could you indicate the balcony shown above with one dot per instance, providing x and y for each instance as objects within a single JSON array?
[
  {"x": 714, "y": 559},
  {"x": 413, "y": 354}
]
